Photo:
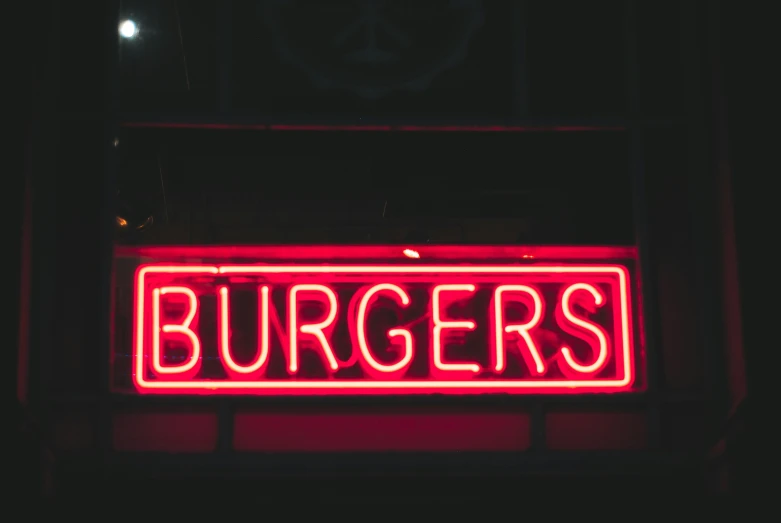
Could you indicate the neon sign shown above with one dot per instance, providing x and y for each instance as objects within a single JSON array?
[{"x": 402, "y": 326}]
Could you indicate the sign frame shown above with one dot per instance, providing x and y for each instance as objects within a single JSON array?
[{"x": 619, "y": 262}]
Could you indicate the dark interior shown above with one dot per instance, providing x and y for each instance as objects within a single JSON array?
[{"x": 489, "y": 122}]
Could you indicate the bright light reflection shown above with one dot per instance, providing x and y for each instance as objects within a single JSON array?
[
  {"x": 411, "y": 253},
  {"x": 128, "y": 29}
]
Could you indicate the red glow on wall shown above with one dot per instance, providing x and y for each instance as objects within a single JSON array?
[
  {"x": 596, "y": 430},
  {"x": 164, "y": 431},
  {"x": 487, "y": 325},
  {"x": 381, "y": 432}
]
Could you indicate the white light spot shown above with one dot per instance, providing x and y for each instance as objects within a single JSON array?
[
  {"x": 128, "y": 29},
  {"x": 411, "y": 253}
]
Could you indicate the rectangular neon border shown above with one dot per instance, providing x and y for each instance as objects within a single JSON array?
[{"x": 346, "y": 387}]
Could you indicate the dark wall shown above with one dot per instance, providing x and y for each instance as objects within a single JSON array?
[{"x": 67, "y": 139}]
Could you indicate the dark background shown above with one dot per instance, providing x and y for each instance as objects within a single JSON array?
[{"x": 564, "y": 123}]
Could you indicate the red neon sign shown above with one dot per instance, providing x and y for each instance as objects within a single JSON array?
[{"x": 306, "y": 327}]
